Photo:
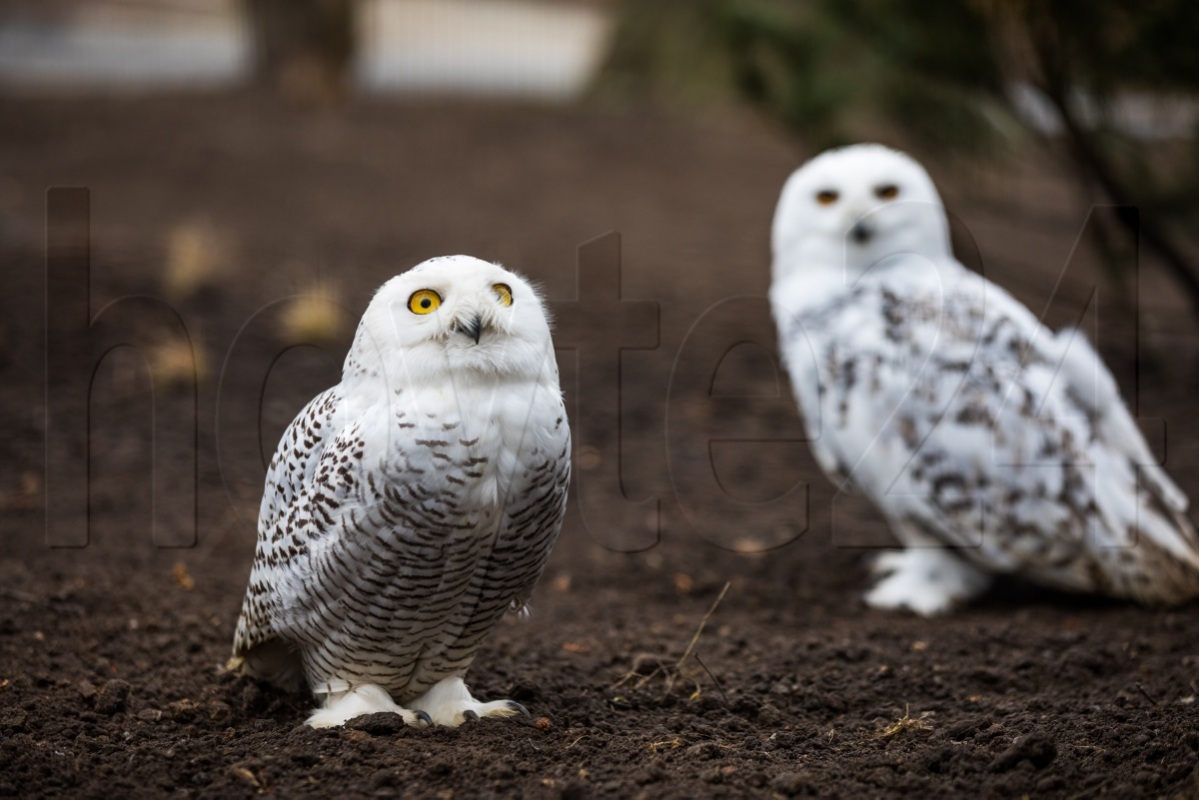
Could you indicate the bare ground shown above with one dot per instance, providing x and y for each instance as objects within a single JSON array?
[{"x": 111, "y": 677}]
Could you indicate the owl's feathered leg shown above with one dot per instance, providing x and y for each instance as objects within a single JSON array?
[
  {"x": 449, "y": 703},
  {"x": 927, "y": 578},
  {"x": 341, "y": 707}
]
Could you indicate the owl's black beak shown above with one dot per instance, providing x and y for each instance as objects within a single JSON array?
[
  {"x": 473, "y": 329},
  {"x": 861, "y": 232}
]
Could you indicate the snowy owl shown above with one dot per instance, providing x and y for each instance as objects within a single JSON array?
[
  {"x": 990, "y": 444},
  {"x": 412, "y": 504}
]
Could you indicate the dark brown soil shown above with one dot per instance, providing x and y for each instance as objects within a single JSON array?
[{"x": 111, "y": 656}]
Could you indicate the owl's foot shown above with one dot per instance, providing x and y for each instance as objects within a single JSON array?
[
  {"x": 927, "y": 580},
  {"x": 341, "y": 707},
  {"x": 450, "y": 703}
]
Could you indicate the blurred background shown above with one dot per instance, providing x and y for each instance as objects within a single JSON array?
[
  {"x": 307, "y": 50},
  {"x": 260, "y": 166},
  {"x": 257, "y": 168}
]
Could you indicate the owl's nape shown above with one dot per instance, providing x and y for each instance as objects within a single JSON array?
[{"x": 347, "y": 591}]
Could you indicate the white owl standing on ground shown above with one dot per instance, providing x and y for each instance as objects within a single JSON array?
[
  {"x": 989, "y": 443},
  {"x": 410, "y": 506}
]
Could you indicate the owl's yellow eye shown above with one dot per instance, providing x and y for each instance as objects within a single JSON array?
[
  {"x": 826, "y": 197},
  {"x": 504, "y": 292},
  {"x": 424, "y": 301},
  {"x": 887, "y": 191}
]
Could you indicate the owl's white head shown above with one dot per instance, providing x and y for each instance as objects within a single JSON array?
[
  {"x": 852, "y": 207},
  {"x": 453, "y": 317}
]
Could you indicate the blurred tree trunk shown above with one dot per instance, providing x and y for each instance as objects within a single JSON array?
[{"x": 303, "y": 49}]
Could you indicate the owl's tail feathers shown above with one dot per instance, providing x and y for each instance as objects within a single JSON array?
[
  {"x": 1180, "y": 578},
  {"x": 1150, "y": 522},
  {"x": 1159, "y": 563},
  {"x": 272, "y": 661}
]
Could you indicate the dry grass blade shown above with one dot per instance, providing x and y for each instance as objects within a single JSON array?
[
  {"x": 905, "y": 723},
  {"x": 715, "y": 680},
  {"x": 674, "y": 672},
  {"x": 673, "y": 744},
  {"x": 677, "y": 669}
]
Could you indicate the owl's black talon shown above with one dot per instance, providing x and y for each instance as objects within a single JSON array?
[
  {"x": 424, "y": 717},
  {"x": 471, "y": 715},
  {"x": 518, "y": 708}
]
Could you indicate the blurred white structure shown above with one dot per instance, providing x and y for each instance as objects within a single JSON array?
[
  {"x": 123, "y": 45},
  {"x": 511, "y": 47},
  {"x": 1151, "y": 117},
  {"x": 481, "y": 46}
]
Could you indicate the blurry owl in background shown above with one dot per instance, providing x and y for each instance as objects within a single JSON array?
[
  {"x": 989, "y": 443},
  {"x": 411, "y": 505}
]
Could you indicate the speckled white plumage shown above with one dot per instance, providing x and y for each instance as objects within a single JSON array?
[
  {"x": 408, "y": 507},
  {"x": 990, "y": 443}
]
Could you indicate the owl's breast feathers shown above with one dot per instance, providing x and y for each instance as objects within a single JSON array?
[
  {"x": 394, "y": 531},
  {"x": 943, "y": 399}
]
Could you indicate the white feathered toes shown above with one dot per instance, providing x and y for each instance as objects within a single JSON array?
[
  {"x": 449, "y": 703},
  {"x": 927, "y": 581}
]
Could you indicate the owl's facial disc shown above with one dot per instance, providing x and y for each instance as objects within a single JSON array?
[
  {"x": 479, "y": 316},
  {"x": 478, "y": 313},
  {"x": 852, "y": 207},
  {"x": 453, "y": 315}
]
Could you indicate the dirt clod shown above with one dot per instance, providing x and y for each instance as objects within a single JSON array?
[
  {"x": 1036, "y": 748},
  {"x": 112, "y": 697},
  {"x": 385, "y": 723},
  {"x": 792, "y": 784}
]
